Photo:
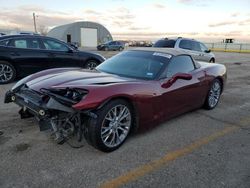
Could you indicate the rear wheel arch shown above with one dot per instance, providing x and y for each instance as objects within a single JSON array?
[
  {"x": 92, "y": 59},
  {"x": 9, "y": 61},
  {"x": 14, "y": 64},
  {"x": 13, "y": 67},
  {"x": 221, "y": 82},
  {"x": 213, "y": 93}
]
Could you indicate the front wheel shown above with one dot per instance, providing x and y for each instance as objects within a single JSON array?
[
  {"x": 7, "y": 72},
  {"x": 91, "y": 64},
  {"x": 112, "y": 126},
  {"x": 213, "y": 96}
]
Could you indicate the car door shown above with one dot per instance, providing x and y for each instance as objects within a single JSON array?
[
  {"x": 59, "y": 54},
  {"x": 182, "y": 95},
  {"x": 118, "y": 45},
  {"x": 27, "y": 55},
  {"x": 196, "y": 48},
  {"x": 112, "y": 45},
  {"x": 206, "y": 56},
  {"x": 191, "y": 48},
  {"x": 115, "y": 45}
]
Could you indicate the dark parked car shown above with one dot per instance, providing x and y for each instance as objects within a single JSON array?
[
  {"x": 196, "y": 49},
  {"x": 133, "y": 89},
  {"x": 111, "y": 45},
  {"x": 21, "y": 55}
]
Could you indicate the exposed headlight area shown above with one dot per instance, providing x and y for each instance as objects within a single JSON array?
[
  {"x": 67, "y": 96},
  {"x": 20, "y": 83}
]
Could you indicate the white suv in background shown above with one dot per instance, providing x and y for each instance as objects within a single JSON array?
[{"x": 195, "y": 48}]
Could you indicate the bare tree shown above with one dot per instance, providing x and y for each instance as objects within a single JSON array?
[{"x": 43, "y": 30}]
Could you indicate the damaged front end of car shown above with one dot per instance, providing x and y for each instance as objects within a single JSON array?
[{"x": 53, "y": 109}]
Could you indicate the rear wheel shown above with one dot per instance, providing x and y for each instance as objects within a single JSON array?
[
  {"x": 91, "y": 64},
  {"x": 213, "y": 96},
  {"x": 111, "y": 128},
  {"x": 120, "y": 49},
  {"x": 7, "y": 72}
]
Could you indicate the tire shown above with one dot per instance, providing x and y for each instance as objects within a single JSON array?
[
  {"x": 104, "y": 132},
  {"x": 213, "y": 95},
  {"x": 212, "y": 60},
  {"x": 91, "y": 64},
  {"x": 120, "y": 49},
  {"x": 7, "y": 72},
  {"x": 106, "y": 49}
]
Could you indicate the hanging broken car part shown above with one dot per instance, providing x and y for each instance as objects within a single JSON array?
[
  {"x": 136, "y": 88},
  {"x": 52, "y": 108}
]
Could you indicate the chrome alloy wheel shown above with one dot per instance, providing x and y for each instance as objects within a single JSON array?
[
  {"x": 91, "y": 65},
  {"x": 116, "y": 126},
  {"x": 6, "y": 73},
  {"x": 214, "y": 94}
]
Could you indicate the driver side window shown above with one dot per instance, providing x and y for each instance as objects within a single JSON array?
[
  {"x": 180, "y": 64},
  {"x": 203, "y": 47},
  {"x": 54, "y": 45}
]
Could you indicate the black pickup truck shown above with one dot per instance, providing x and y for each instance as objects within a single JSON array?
[{"x": 22, "y": 55}]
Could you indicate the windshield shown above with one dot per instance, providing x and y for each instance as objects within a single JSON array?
[
  {"x": 107, "y": 42},
  {"x": 165, "y": 44},
  {"x": 136, "y": 64}
]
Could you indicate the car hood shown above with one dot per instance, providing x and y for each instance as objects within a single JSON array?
[{"x": 76, "y": 78}]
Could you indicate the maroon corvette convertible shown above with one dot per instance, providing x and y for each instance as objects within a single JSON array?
[{"x": 133, "y": 89}]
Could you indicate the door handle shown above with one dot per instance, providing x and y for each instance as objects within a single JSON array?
[
  {"x": 14, "y": 54},
  {"x": 51, "y": 55}
]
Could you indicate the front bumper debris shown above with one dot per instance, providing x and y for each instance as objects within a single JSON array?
[
  {"x": 28, "y": 100},
  {"x": 51, "y": 113},
  {"x": 32, "y": 104}
]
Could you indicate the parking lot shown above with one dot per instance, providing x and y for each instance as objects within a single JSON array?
[{"x": 198, "y": 149}]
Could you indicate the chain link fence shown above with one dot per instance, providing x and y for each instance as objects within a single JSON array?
[{"x": 229, "y": 47}]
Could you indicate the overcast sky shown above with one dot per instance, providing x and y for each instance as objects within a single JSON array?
[{"x": 137, "y": 19}]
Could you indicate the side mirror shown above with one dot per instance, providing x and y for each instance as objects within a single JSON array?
[
  {"x": 183, "y": 76},
  {"x": 207, "y": 51},
  {"x": 74, "y": 46},
  {"x": 70, "y": 51}
]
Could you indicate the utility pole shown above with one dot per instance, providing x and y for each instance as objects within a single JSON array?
[{"x": 34, "y": 19}]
